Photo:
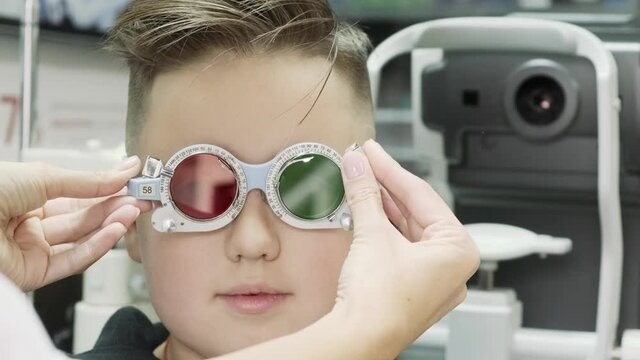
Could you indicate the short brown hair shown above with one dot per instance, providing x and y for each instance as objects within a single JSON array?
[{"x": 159, "y": 35}]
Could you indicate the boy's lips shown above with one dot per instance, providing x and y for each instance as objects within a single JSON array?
[{"x": 253, "y": 299}]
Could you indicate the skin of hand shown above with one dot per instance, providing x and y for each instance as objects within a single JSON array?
[
  {"x": 407, "y": 267},
  {"x": 56, "y": 222},
  {"x": 410, "y": 258}
]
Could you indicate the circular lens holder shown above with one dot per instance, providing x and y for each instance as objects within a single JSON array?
[
  {"x": 280, "y": 164},
  {"x": 179, "y": 220},
  {"x": 547, "y": 76}
]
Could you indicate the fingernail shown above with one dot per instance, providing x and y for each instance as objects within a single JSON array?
[
  {"x": 353, "y": 165},
  {"x": 128, "y": 163},
  {"x": 372, "y": 142}
]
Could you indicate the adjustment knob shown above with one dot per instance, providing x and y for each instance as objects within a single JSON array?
[
  {"x": 346, "y": 221},
  {"x": 169, "y": 225}
]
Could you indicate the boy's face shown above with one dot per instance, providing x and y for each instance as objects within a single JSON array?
[{"x": 251, "y": 107}]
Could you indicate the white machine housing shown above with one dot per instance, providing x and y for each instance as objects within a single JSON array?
[{"x": 427, "y": 43}]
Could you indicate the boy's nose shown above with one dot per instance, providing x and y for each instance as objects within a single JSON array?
[{"x": 252, "y": 235}]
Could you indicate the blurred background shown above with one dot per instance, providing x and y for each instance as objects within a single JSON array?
[
  {"x": 81, "y": 90},
  {"x": 71, "y": 60}
]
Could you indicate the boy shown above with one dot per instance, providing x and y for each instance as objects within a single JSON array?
[{"x": 252, "y": 77}]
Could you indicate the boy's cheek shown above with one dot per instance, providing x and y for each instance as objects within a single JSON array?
[
  {"x": 320, "y": 259},
  {"x": 149, "y": 239},
  {"x": 177, "y": 272}
]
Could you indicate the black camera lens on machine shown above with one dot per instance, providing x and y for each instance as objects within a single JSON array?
[{"x": 540, "y": 100}]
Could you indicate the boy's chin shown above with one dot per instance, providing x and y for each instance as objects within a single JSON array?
[{"x": 244, "y": 340}]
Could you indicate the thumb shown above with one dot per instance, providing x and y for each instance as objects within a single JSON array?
[{"x": 362, "y": 191}]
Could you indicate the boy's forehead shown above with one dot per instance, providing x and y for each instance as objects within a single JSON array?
[{"x": 250, "y": 106}]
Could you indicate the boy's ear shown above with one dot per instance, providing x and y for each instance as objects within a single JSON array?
[{"x": 131, "y": 240}]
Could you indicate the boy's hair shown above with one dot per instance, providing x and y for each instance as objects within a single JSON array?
[{"x": 160, "y": 35}]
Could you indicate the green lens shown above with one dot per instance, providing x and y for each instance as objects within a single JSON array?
[{"x": 310, "y": 187}]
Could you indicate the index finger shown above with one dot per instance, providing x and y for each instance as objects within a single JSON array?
[
  {"x": 63, "y": 205},
  {"x": 362, "y": 191},
  {"x": 37, "y": 183},
  {"x": 415, "y": 194}
]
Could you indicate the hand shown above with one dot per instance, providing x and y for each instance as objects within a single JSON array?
[
  {"x": 410, "y": 258},
  {"x": 45, "y": 237}
]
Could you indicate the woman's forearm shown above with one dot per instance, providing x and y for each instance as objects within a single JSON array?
[{"x": 334, "y": 336}]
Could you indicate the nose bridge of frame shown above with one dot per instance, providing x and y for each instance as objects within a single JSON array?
[{"x": 256, "y": 175}]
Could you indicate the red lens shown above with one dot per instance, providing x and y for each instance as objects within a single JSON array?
[{"x": 203, "y": 186}]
